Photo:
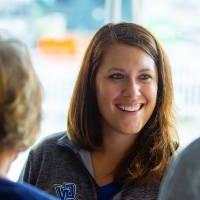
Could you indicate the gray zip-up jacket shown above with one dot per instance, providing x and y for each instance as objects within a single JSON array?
[{"x": 62, "y": 168}]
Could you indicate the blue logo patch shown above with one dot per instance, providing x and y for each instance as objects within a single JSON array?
[{"x": 66, "y": 191}]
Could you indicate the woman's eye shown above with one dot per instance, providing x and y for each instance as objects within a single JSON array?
[
  {"x": 145, "y": 77},
  {"x": 116, "y": 76}
]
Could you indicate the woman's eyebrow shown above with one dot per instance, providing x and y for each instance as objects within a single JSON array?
[
  {"x": 146, "y": 70},
  {"x": 122, "y": 70},
  {"x": 116, "y": 69}
]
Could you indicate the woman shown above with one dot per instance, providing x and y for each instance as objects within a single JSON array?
[
  {"x": 121, "y": 130},
  {"x": 20, "y": 111}
]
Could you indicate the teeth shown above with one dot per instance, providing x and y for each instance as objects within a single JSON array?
[{"x": 133, "y": 108}]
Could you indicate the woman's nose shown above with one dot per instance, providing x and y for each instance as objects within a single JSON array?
[{"x": 132, "y": 89}]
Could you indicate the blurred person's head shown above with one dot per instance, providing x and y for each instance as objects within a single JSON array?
[
  {"x": 85, "y": 117},
  {"x": 20, "y": 98}
]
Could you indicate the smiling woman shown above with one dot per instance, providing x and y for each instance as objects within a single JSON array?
[
  {"x": 121, "y": 134},
  {"x": 126, "y": 87}
]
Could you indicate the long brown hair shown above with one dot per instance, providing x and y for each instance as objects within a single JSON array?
[{"x": 149, "y": 157}]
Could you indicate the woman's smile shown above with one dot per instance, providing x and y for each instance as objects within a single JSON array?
[{"x": 129, "y": 108}]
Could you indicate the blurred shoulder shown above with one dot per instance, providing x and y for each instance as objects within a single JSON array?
[
  {"x": 11, "y": 190},
  {"x": 189, "y": 156},
  {"x": 192, "y": 149}
]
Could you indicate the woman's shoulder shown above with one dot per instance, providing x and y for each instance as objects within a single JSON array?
[
  {"x": 12, "y": 190},
  {"x": 191, "y": 152},
  {"x": 54, "y": 137},
  {"x": 52, "y": 142},
  {"x": 193, "y": 147}
]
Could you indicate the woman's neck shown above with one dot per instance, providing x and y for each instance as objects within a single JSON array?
[
  {"x": 106, "y": 160},
  {"x": 6, "y": 158},
  {"x": 117, "y": 143}
]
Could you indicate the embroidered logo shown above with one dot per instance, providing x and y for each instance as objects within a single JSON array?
[{"x": 66, "y": 191}]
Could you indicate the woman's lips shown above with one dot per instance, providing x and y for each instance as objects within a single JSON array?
[{"x": 129, "y": 108}]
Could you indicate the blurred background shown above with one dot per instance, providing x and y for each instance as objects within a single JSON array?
[{"x": 58, "y": 32}]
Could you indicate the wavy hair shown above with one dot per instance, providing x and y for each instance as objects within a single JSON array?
[{"x": 20, "y": 96}]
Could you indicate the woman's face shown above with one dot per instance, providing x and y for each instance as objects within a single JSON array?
[{"x": 126, "y": 89}]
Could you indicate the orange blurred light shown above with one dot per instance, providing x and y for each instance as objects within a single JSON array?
[{"x": 58, "y": 46}]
